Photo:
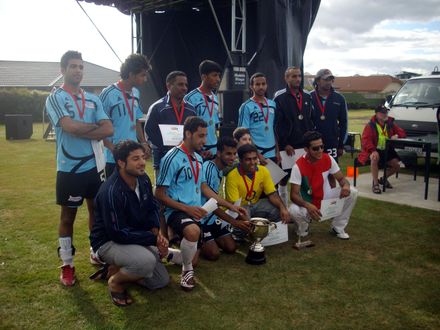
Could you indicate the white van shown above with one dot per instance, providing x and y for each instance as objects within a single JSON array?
[{"x": 415, "y": 105}]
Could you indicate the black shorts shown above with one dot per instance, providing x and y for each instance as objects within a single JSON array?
[
  {"x": 392, "y": 154},
  {"x": 215, "y": 230},
  {"x": 72, "y": 188},
  {"x": 178, "y": 220}
]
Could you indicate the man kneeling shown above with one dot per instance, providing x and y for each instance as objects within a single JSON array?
[
  {"x": 310, "y": 185},
  {"x": 126, "y": 229}
]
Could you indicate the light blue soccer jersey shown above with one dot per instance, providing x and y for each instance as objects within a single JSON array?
[
  {"x": 74, "y": 154},
  {"x": 124, "y": 128},
  {"x": 213, "y": 177},
  {"x": 176, "y": 174},
  {"x": 196, "y": 99},
  {"x": 251, "y": 117}
]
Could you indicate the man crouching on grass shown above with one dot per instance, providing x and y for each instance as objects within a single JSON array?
[{"x": 126, "y": 230}]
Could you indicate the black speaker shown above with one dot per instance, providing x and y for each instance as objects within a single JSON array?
[
  {"x": 231, "y": 102},
  {"x": 18, "y": 127}
]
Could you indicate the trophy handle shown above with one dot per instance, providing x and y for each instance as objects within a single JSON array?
[{"x": 272, "y": 226}]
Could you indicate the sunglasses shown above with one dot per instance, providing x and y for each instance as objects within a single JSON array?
[{"x": 317, "y": 148}]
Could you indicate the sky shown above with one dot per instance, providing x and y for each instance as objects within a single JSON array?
[{"x": 348, "y": 37}]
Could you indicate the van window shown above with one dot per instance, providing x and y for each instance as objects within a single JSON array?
[{"x": 418, "y": 92}]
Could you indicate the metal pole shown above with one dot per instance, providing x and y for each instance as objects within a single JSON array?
[{"x": 220, "y": 31}]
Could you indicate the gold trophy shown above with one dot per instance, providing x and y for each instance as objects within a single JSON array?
[{"x": 260, "y": 228}]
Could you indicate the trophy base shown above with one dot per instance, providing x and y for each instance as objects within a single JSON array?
[
  {"x": 256, "y": 258},
  {"x": 302, "y": 245}
]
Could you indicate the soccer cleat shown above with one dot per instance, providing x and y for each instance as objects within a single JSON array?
[
  {"x": 187, "y": 280},
  {"x": 341, "y": 235},
  {"x": 67, "y": 276}
]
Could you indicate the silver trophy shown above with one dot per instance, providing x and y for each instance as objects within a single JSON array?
[{"x": 260, "y": 228}]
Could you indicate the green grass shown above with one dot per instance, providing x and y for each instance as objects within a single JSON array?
[{"x": 386, "y": 276}]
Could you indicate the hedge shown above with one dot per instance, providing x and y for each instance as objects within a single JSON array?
[{"x": 22, "y": 101}]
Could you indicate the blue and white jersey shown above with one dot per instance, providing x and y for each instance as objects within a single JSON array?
[
  {"x": 124, "y": 128},
  {"x": 262, "y": 133},
  {"x": 74, "y": 154},
  {"x": 196, "y": 99},
  {"x": 213, "y": 177},
  {"x": 176, "y": 174}
]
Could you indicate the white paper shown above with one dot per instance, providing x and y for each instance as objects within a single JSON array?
[
  {"x": 276, "y": 172},
  {"x": 172, "y": 135},
  {"x": 98, "y": 150},
  {"x": 232, "y": 213},
  {"x": 210, "y": 205},
  {"x": 277, "y": 236},
  {"x": 331, "y": 208},
  {"x": 287, "y": 161}
]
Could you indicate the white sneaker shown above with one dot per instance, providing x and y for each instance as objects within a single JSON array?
[
  {"x": 94, "y": 259},
  {"x": 341, "y": 234}
]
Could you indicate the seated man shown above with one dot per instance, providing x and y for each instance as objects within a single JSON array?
[
  {"x": 248, "y": 181},
  {"x": 215, "y": 232},
  {"x": 376, "y": 132},
  {"x": 310, "y": 185},
  {"x": 180, "y": 186},
  {"x": 126, "y": 233}
]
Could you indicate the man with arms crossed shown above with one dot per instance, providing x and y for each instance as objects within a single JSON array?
[
  {"x": 180, "y": 187},
  {"x": 79, "y": 121},
  {"x": 293, "y": 117},
  {"x": 310, "y": 185},
  {"x": 121, "y": 104},
  {"x": 205, "y": 101},
  {"x": 126, "y": 229}
]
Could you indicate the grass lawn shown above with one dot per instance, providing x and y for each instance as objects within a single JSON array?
[{"x": 385, "y": 277}]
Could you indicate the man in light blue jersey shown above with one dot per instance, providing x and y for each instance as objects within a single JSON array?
[
  {"x": 79, "y": 121},
  {"x": 180, "y": 186},
  {"x": 258, "y": 115},
  {"x": 205, "y": 101},
  {"x": 215, "y": 232},
  {"x": 121, "y": 104}
]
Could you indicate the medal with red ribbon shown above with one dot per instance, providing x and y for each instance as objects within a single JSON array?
[
  {"x": 249, "y": 190},
  {"x": 179, "y": 116},
  {"x": 321, "y": 107},
  {"x": 299, "y": 102},
  {"x": 124, "y": 94},
  {"x": 210, "y": 110},
  {"x": 75, "y": 99},
  {"x": 265, "y": 116},
  {"x": 194, "y": 169}
]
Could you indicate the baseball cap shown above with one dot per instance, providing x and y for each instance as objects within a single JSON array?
[
  {"x": 324, "y": 74},
  {"x": 381, "y": 109}
]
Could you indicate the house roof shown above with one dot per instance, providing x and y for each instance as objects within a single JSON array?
[
  {"x": 366, "y": 84},
  {"x": 47, "y": 74}
]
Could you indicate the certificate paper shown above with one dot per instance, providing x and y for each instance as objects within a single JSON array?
[
  {"x": 287, "y": 161},
  {"x": 331, "y": 208},
  {"x": 277, "y": 236},
  {"x": 172, "y": 135},
  {"x": 276, "y": 172},
  {"x": 98, "y": 150}
]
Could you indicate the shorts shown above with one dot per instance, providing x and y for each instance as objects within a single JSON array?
[
  {"x": 73, "y": 188},
  {"x": 392, "y": 154},
  {"x": 178, "y": 221},
  {"x": 215, "y": 230}
]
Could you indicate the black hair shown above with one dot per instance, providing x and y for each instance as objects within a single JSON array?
[
  {"x": 256, "y": 75},
  {"x": 291, "y": 68},
  {"x": 239, "y": 132},
  {"x": 171, "y": 77},
  {"x": 245, "y": 149},
  {"x": 134, "y": 63},
  {"x": 69, "y": 55},
  {"x": 192, "y": 124},
  {"x": 310, "y": 136},
  {"x": 226, "y": 141},
  {"x": 123, "y": 148},
  {"x": 207, "y": 66}
]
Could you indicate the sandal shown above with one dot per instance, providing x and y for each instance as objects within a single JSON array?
[
  {"x": 388, "y": 184},
  {"x": 101, "y": 273},
  {"x": 376, "y": 189},
  {"x": 117, "y": 297}
]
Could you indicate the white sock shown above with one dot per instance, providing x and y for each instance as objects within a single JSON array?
[
  {"x": 282, "y": 190},
  {"x": 175, "y": 256},
  {"x": 66, "y": 250},
  {"x": 188, "y": 250}
]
